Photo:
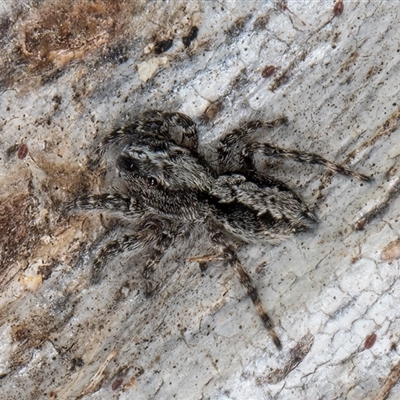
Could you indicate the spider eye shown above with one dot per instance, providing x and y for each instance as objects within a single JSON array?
[{"x": 152, "y": 181}]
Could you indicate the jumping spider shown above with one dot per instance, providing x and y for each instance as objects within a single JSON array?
[{"x": 169, "y": 190}]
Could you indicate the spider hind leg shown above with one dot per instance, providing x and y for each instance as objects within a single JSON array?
[{"x": 251, "y": 290}]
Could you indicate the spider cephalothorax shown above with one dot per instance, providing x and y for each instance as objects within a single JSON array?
[{"x": 169, "y": 189}]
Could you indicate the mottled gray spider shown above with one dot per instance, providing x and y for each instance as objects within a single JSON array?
[{"x": 169, "y": 190}]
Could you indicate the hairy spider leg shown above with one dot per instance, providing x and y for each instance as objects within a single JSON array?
[
  {"x": 251, "y": 290},
  {"x": 113, "y": 202},
  {"x": 303, "y": 157},
  {"x": 123, "y": 244}
]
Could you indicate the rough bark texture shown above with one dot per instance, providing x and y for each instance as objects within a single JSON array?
[{"x": 71, "y": 72}]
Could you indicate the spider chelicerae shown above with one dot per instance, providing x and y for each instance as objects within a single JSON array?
[{"x": 168, "y": 190}]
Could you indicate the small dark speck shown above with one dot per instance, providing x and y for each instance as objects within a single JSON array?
[
  {"x": 360, "y": 224},
  {"x": 117, "y": 54},
  {"x": 12, "y": 150},
  {"x": 77, "y": 362},
  {"x": 187, "y": 40},
  {"x": 5, "y": 25},
  {"x": 237, "y": 28},
  {"x": 211, "y": 111},
  {"x": 22, "y": 151},
  {"x": 57, "y": 99},
  {"x": 162, "y": 46},
  {"x": 116, "y": 384},
  {"x": 370, "y": 341},
  {"x": 268, "y": 71},
  {"x": 338, "y": 8},
  {"x": 261, "y": 22}
]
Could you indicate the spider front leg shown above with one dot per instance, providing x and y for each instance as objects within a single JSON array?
[
  {"x": 111, "y": 202},
  {"x": 155, "y": 124},
  {"x": 115, "y": 203}
]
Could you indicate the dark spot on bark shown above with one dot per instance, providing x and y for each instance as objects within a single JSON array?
[
  {"x": 370, "y": 340},
  {"x": 163, "y": 46},
  {"x": 22, "y": 151},
  {"x": 187, "y": 40},
  {"x": 268, "y": 71}
]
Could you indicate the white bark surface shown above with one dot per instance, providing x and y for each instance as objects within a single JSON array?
[{"x": 337, "y": 82}]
